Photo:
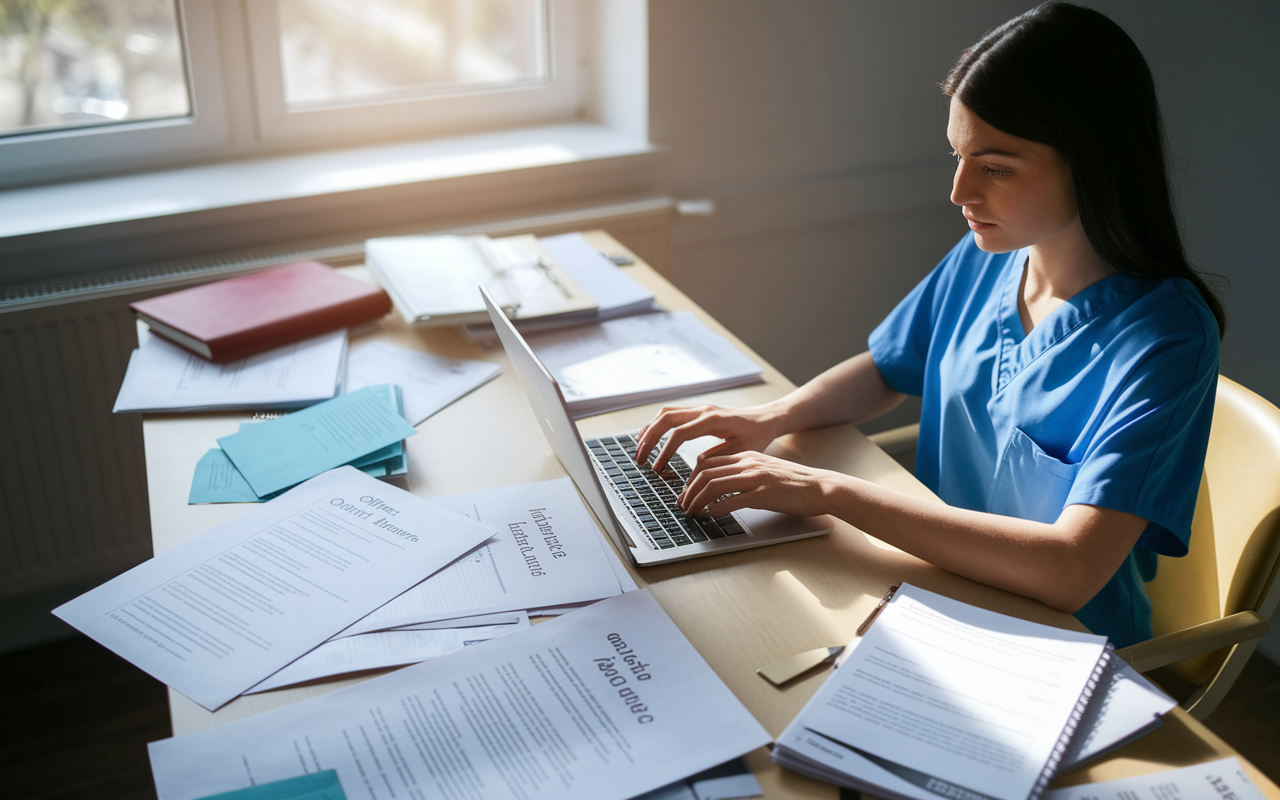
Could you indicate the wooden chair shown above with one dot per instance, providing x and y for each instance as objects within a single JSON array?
[{"x": 1210, "y": 608}]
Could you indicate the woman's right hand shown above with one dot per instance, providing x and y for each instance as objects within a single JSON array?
[{"x": 741, "y": 429}]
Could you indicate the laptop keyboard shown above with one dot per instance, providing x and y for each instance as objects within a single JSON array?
[{"x": 652, "y": 495}]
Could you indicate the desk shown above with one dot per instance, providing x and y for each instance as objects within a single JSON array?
[{"x": 741, "y": 610}]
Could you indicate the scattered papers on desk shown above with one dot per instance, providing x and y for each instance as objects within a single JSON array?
[
  {"x": 602, "y": 704},
  {"x": 943, "y": 698},
  {"x": 1223, "y": 779},
  {"x": 616, "y": 292},
  {"x": 643, "y": 359},
  {"x": 548, "y": 552},
  {"x": 429, "y": 383},
  {"x": 384, "y": 649},
  {"x": 277, "y": 454},
  {"x": 163, "y": 377},
  {"x": 217, "y": 480},
  {"x": 221, "y": 613}
]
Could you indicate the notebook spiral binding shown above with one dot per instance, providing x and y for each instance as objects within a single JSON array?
[{"x": 1073, "y": 722}]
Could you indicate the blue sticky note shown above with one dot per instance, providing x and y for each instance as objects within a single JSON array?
[
  {"x": 278, "y": 454},
  {"x": 218, "y": 481},
  {"x": 314, "y": 786}
]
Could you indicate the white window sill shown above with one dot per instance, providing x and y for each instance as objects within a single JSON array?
[{"x": 63, "y": 208}]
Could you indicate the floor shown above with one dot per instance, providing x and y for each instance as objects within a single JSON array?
[{"x": 76, "y": 720}]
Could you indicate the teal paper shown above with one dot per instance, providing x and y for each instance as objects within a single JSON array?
[
  {"x": 278, "y": 454},
  {"x": 315, "y": 786},
  {"x": 218, "y": 481}
]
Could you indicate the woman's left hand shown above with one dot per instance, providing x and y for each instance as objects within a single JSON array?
[{"x": 723, "y": 483}]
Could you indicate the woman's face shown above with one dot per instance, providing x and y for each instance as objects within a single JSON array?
[{"x": 1015, "y": 192}]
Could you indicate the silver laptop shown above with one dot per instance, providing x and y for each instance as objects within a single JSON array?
[{"x": 636, "y": 505}]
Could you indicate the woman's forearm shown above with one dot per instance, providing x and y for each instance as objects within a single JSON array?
[
  {"x": 1063, "y": 564},
  {"x": 851, "y": 391}
]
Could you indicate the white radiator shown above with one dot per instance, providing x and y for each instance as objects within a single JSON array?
[{"x": 73, "y": 494}]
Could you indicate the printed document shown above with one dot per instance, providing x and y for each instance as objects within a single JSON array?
[
  {"x": 383, "y": 649},
  {"x": 217, "y": 615},
  {"x": 429, "y": 382},
  {"x": 1223, "y": 779},
  {"x": 642, "y": 359},
  {"x": 941, "y": 697},
  {"x": 277, "y": 454},
  {"x": 548, "y": 552},
  {"x": 164, "y": 377},
  {"x": 605, "y": 703}
]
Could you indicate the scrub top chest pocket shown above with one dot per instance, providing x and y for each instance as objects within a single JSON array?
[{"x": 1030, "y": 483}]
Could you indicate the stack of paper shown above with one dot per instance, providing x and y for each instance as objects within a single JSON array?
[
  {"x": 601, "y": 704},
  {"x": 164, "y": 377},
  {"x": 365, "y": 429},
  {"x": 547, "y": 557},
  {"x": 221, "y": 613},
  {"x": 434, "y": 279},
  {"x": 642, "y": 359},
  {"x": 617, "y": 294}
]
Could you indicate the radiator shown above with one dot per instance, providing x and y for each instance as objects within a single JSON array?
[{"x": 73, "y": 493}]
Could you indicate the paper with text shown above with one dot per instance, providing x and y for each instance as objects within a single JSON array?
[
  {"x": 429, "y": 382},
  {"x": 1223, "y": 779},
  {"x": 941, "y": 693},
  {"x": 277, "y": 454},
  {"x": 548, "y": 552},
  {"x": 602, "y": 704},
  {"x": 217, "y": 615},
  {"x": 164, "y": 377},
  {"x": 382, "y": 649}
]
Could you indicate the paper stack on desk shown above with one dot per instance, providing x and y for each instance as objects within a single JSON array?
[
  {"x": 601, "y": 704},
  {"x": 222, "y": 612},
  {"x": 163, "y": 377},
  {"x": 615, "y": 292},
  {"x": 547, "y": 557},
  {"x": 642, "y": 359},
  {"x": 365, "y": 429}
]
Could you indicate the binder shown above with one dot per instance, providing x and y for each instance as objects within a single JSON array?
[
  {"x": 435, "y": 280},
  {"x": 941, "y": 699}
]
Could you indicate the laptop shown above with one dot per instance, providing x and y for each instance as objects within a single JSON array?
[{"x": 636, "y": 505}]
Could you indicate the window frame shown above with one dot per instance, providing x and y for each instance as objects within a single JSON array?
[
  {"x": 558, "y": 99},
  {"x": 236, "y": 112},
  {"x": 72, "y": 152}
]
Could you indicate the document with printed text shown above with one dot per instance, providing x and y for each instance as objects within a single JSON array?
[
  {"x": 1223, "y": 779},
  {"x": 429, "y": 382},
  {"x": 548, "y": 552},
  {"x": 164, "y": 377},
  {"x": 605, "y": 703},
  {"x": 222, "y": 612}
]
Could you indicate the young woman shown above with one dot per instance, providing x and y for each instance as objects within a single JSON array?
[{"x": 1066, "y": 352}]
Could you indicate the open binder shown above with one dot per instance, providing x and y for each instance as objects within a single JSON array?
[
  {"x": 944, "y": 700},
  {"x": 433, "y": 280}
]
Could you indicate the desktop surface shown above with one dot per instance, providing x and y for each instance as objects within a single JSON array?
[{"x": 741, "y": 610}]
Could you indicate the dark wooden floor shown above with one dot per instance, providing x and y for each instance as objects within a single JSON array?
[{"x": 75, "y": 720}]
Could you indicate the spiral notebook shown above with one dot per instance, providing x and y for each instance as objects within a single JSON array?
[{"x": 940, "y": 699}]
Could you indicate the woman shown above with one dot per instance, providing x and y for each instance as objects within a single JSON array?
[{"x": 1066, "y": 352}]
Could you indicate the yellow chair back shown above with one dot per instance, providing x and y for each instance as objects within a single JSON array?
[{"x": 1235, "y": 538}]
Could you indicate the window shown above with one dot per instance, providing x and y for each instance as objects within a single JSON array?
[{"x": 91, "y": 85}]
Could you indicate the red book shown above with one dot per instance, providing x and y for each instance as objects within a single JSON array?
[{"x": 242, "y": 316}]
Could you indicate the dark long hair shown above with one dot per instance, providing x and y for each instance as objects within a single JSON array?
[{"x": 1071, "y": 78}]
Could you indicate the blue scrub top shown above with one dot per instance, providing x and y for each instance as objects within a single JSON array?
[{"x": 1107, "y": 401}]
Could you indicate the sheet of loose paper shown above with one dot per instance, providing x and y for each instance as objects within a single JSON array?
[
  {"x": 602, "y": 704},
  {"x": 217, "y": 615},
  {"x": 548, "y": 552}
]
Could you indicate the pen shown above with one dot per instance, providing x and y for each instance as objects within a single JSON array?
[{"x": 875, "y": 612}]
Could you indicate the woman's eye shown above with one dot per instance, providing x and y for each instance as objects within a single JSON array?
[{"x": 996, "y": 172}]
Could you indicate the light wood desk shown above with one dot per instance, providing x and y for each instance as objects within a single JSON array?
[{"x": 740, "y": 610}]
